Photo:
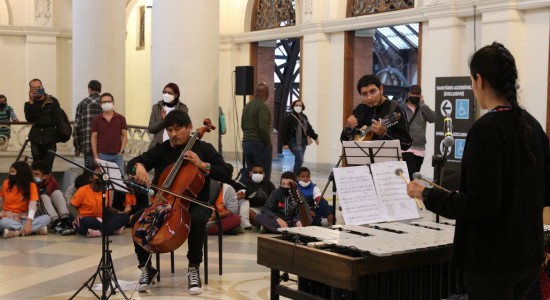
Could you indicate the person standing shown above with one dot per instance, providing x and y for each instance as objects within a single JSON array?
[
  {"x": 376, "y": 106},
  {"x": 418, "y": 114},
  {"x": 504, "y": 186},
  {"x": 255, "y": 123},
  {"x": 208, "y": 161},
  {"x": 42, "y": 110},
  {"x": 7, "y": 114},
  {"x": 296, "y": 130},
  {"x": 170, "y": 101},
  {"x": 109, "y": 133},
  {"x": 86, "y": 111}
]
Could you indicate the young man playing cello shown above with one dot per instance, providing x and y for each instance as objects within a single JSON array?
[{"x": 203, "y": 155}]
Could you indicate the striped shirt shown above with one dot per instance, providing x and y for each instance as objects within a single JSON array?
[
  {"x": 86, "y": 111},
  {"x": 6, "y": 115}
]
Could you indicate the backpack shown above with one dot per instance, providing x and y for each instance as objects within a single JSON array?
[{"x": 64, "y": 129}]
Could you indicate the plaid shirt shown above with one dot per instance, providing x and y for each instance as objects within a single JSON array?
[{"x": 86, "y": 111}]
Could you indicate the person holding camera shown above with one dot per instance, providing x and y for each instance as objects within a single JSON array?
[
  {"x": 42, "y": 110},
  {"x": 418, "y": 114}
]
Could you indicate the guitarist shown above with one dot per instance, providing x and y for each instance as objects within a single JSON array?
[{"x": 376, "y": 106}]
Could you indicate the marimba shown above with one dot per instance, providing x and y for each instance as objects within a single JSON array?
[{"x": 381, "y": 261}]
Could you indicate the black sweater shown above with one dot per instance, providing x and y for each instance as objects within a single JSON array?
[
  {"x": 398, "y": 131},
  {"x": 163, "y": 155},
  {"x": 498, "y": 208}
]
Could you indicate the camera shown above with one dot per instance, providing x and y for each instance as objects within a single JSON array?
[{"x": 40, "y": 91}]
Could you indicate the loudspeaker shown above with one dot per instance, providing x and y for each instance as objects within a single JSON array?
[{"x": 244, "y": 80}]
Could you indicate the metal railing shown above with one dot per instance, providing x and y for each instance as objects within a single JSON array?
[{"x": 14, "y": 144}]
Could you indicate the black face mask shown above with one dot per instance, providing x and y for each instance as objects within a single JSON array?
[
  {"x": 414, "y": 100},
  {"x": 2, "y": 105}
]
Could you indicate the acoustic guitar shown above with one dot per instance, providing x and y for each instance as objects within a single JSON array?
[{"x": 365, "y": 133}]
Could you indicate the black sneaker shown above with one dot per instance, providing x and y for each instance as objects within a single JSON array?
[
  {"x": 193, "y": 277},
  {"x": 58, "y": 226},
  {"x": 147, "y": 278}
]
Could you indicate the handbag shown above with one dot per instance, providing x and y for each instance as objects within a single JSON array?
[
  {"x": 64, "y": 129},
  {"x": 308, "y": 138}
]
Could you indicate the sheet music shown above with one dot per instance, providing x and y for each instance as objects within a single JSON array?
[
  {"x": 392, "y": 190},
  {"x": 357, "y": 194},
  {"x": 114, "y": 174}
]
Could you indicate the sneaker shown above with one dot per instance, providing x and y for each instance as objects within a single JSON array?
[
  {"x": 93, "y": 233},
  {"x": 147, "y": 278},
  {"x": 43, "y": 231},
  {"x": 57, "y": 226},
  {"x": 119, "y": 231},
  {"x": 10, "y": 233},
  {"x": 195, "y": 285}
]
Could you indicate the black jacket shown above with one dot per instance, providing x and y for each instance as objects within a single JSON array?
[
  {"x": 44, "y": 116},
  {"x": 289, "y": 129},
  {"x": 365, "y": 114}
]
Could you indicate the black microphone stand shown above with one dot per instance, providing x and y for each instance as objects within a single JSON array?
[
  {"x": 438, "y": 162},
  {"x": 105, "y": 270}
]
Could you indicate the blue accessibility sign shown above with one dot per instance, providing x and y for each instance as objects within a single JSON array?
[{"x": 462, "y": 110}]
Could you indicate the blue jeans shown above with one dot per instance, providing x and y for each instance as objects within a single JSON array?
[
  {"x": 256, "y": 153},
  {"x": 115, "y": 158},
  {"x": 298, "y": 153},
  {"x": 38, "y": 223}
]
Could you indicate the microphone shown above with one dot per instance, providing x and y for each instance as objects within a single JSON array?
[
  {"x": 449, "y": 140},
  {"x": 419, "y": 176},
  {"x": 134, "y": 185}
]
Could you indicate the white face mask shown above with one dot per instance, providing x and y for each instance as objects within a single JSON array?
[
  {"x": 167, "y": 98},
  {"x": 107, "y": 106},
  {"x": 298, "y": 109},
  {"x": 303, "y": 183},
  {"x": 257, "y": 178}
]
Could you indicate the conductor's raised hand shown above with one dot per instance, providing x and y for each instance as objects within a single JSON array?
[{"x": 415, "y": 189}]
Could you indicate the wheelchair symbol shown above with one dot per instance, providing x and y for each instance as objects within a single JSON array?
[
  {"x": 459, "y": 148},
  {"x": 462, "y": 109}
]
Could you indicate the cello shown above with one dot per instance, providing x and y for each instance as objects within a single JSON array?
[{"x": 165, "y": 225}]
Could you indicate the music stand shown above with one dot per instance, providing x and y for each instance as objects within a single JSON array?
[
  {"x": 105, "y": 270},
  {"x": 360, "y": 153}
]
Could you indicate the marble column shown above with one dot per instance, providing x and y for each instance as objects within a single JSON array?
[
  {"x": 185, "y": 50},
  {"x": 99, "y": 31}
]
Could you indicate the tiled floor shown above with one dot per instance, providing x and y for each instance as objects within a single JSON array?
[{"x": 55, "y": 267}]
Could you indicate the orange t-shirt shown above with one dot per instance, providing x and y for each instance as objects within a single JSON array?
[
  {"x": 130, "y": 200},
  {"x": 13, "y": 199},
  {"x": 88, "y": 202}
]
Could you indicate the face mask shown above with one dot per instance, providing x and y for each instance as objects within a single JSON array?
[
  {"x": 38, "y": 179},
  {"x": 167, "y": 98},
  {"x": 298, "y": 109},
  {"x": 414, "y": 100},
  {"x": 2, "y": 105},
  {"x": 257, "y": 178},
  {"x": 107, "y": 106},
  {"x": 304, "y": 184}
]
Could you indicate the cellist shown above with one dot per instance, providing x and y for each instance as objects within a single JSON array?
[{"x": 203, "y": 155}]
